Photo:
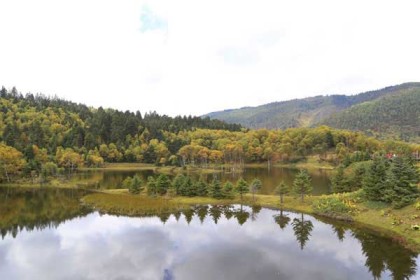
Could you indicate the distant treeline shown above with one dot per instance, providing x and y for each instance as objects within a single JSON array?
[{"x": 39, "y": 134}]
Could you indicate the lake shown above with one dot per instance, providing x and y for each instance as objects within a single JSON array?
[
  {"x": 47, "y": 234},
  {"x": 270, "y": 178}
]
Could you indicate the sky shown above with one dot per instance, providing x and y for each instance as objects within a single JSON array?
[{"x": 181, "y": 57}]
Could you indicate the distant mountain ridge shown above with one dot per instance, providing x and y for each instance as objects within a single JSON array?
[{"x": 366, "y": 111}]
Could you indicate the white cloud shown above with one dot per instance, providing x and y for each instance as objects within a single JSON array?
[{"x": 192, "y": 57}]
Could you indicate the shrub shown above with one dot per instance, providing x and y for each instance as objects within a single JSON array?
[{"x": 333, "y": 206}]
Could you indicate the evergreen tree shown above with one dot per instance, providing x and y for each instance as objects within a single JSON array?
[
  {"x": 192, "y": 189},
  {"x": 357, "y": 178},
  {"x": 228, "y": 190},
  {"x": 401, "y": 183},
  {"x": 215, "y": 189},
  {"x": 162, "y": 184},
  {"x": 151, "y": 186},
  {"x": 187, "y": 187},
  {"x": 201, "y": 187},
  {"x": 374, "y": 184},
  {"x": 177, "y": 183},
  {"x": 281, "y": 190},
  {"x": 302, "y": 184},
  {"x": 242, "y": 187},
  {"x": 136, "y": 185},
  {"x": 256, "y": 185},
  {"x": 126, "y": 183},
  {"x": 339, "y": 182}
]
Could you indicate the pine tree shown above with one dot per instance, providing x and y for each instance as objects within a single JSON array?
[
  {"x": 151, "y": 186},
  {"x": 357, "y": 178},
  {"x": 136, "y": 185},
  {"x": 186, "y": 187},
  {"x": 162, "y": 184},
  {"x": 177, "y": 183},
  {"x": 215, "y": 189},
  {"x": 228, "y": 190},
  {"x": 339, "y": 182},
  {"x": 281, "y": 190},
  {"x": 401, "y": 183},
  {"x": 201, "y": 187},
  {"x": 302, "y": 184},
  {"x": 374, "y": 181},
  {"x": 126, "y": 183},
  {"x": 256, "y": 185},
  {"x": 242, "y": 187},
  {"x": 192, "y": 187}
]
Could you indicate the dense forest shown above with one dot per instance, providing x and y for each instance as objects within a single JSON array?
[
  {"x": 389, "y": 112},
  {"x": 40, "y": 134},
  {"x": 396, "y": 116}
]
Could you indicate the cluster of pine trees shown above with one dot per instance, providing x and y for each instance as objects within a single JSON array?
[
  {"x": 388, "y": 179},
  {"x": 185, "y": 185}
]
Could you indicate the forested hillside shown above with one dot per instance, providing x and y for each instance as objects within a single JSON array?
[
  {"x": 319, "y": 110},
  {"x": 39, "y": 135},
  {"x": 393, "y": 116}
]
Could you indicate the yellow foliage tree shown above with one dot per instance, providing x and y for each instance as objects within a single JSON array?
[{"x": 11, "y": 162}]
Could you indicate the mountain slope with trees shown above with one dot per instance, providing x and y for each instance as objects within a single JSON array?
[
  {"x": 40, "y": 136},
  {"x": 402, "y": 101},
  {"x": 396, "y": 116}
]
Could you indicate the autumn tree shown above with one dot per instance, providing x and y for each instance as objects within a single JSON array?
[
  {"x": 68, "y": 159},
  {"x": 11, "y": 162}
]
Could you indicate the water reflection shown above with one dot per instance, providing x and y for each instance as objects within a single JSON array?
[
  {"x": 202, "y": 242},
  {"x": 302, "y": 230},
  {"x": 32, "y": 209},
  {"x": 282, "y": 219}
]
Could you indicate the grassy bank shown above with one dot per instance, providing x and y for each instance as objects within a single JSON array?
[{"x": 394, "y": 223}]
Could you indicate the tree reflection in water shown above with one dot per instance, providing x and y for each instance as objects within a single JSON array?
[
  {"x": 27, "y": 209},
  {"x": 302, "y": 230}
]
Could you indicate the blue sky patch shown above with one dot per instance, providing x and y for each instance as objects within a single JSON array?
[{"x": 150, "y": 21}]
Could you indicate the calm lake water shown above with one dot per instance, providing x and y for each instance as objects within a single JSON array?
[
  {"x": 47, "y": 234},
  {"x": 270, "y": 178}
]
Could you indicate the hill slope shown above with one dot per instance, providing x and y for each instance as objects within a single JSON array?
[
  {"x": 396, "y": 116},
  {"x": 339, "y": 111}
]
